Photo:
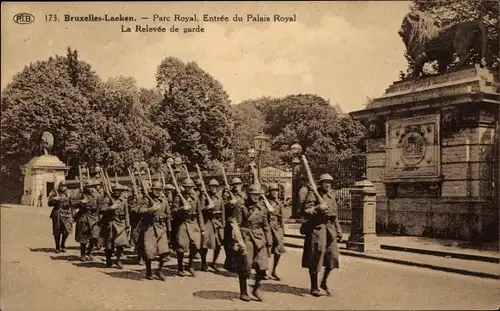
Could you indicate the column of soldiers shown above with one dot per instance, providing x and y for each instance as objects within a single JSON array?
[{"x": 161, "y": 220}]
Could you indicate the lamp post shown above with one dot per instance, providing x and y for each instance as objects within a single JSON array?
[
  {"x": 252, "y": 154},
  {"x": 260, "y": 143},
  {"x": 296, "y": 151}
]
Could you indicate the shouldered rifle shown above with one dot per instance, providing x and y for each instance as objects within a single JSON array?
[
  {"x": 55, "y": 184},
  {"x": 226, "y": 182},
  {"x": 143, "y": 184},
  {"x": 150, "y": 179},
  {"x": 80, "y": 177},
  {"x": 177, "y": 188},
  {"x": 312, "y": 184},
  {"x": 132, "y": 178},
  {"x": 106, "y": 188},
  {"x": 203, "y": 188},
  {"x": 268, "y": 205},
  {"x": 163, "y": 183}
]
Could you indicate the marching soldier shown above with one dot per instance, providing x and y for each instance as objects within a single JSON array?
[
  {"x": 153, "y": 237},
  {"x": 252, "y": 220},
  {"x": 190, "y": 226},
  {"x": 321, "y": 230},
  {"x": 115, "y": 224},
  {"x": 213, "y": 217},
  {"x": 62, "y": 215},
  {"x": 134, "y": 201},
  {"x": 169, "y": 194},
  {"x": 87, "y": 221},
  {"x": 277, "y": 224},
  {"x": 234, "y": 197}
]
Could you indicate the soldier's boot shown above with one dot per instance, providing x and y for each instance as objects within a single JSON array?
[
  {"x": 149, "y": 272},
  {"x": 119, "y": 252},
  {"x": 256, "y": 286},
  {"x": 263, "y": 275},
  {"x": 109, "y": 254},
  {"x": 180, "y": 263},
  {"x": 243, "y": 289},
  {"x": 190, "y": 264},
  {"x": 216, "y": 255},
  {"x": 159, "y": 273},
  {"x": 140, "y": 260},
  {"x": 276, "y": 261},
  {"x": 314, "y": 283},
  {"x": 204, "y": 266},
  {"x": 89, "y": 251},
  {"x": 83, "y": 246},
  {"x": 324, "y": 286},
  {"x": 57, "y": 238},
  {"x": 63, "y": 243}
]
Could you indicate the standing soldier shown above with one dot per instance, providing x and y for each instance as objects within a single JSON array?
[
  {"x": 62, "y": 216},
  {"x": 321, "y": 230},
  {"x": 169, "y": 194},
  {"x": 277, "y": 224},
  {"x": 190, "y": 226},
  {"x": 234, "y": 198},
  {"x": 87, "y": 221},
  {"x": 252, "y": 220},
  {"x": 213, "y": 217},
  {"x": 153, "y": 237},
  {"x": 135, "y": 222},
  {"x": 115, "y": 224}
]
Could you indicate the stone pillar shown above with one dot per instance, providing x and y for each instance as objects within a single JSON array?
[{"x": 363, "y": 235}]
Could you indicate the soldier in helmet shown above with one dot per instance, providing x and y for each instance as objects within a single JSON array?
[
  {"x": 213, "y": 216},
  {"x": 153, "y": 236},
  {"x": 235, "y": 198},
  {"x": 277, "y": 225},
  {"x": 115, "y": 224},
  {"x": 134, "y": 201},
  {"x": 169, "y": 195},
  {"x": 190, "y": 225},
  {"x": 87, "y": 229},
  {"x": 322, "y": 230},
  {"x": 62, "y": 215},
  {"x": 252, "y": 219}
]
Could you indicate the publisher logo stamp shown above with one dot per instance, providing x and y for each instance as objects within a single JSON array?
[{"x": 23, "y": 18}]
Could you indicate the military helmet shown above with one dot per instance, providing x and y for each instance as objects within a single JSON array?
[
  {"x": 273, "y": 186},
  {"x": 255, "y": 189},
  {"x": 325, "y": 177},
  {"x": 63, "y": 183},
  {"x": 91, "y": 183},
  {"x": 213, "y": 182},
  {"x": 157, "y": 185},
  {"x": 119, "y": 187},
  {"x": 236, "y": 181},
  {"x": 188, "y": 182},
  {"x": 169, "y": 187},
  {"x": 197, "y": 182}
]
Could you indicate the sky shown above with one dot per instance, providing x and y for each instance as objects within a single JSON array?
[{"x": 342, "y": 51}]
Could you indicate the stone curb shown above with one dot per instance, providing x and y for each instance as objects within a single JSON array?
[
  {"x": 424, "y": 251},
  {"x": 346, "y": 252}
]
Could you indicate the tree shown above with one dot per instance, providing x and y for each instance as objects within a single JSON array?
[
  {"x": 447, "y": 12},
  {"x": 196, "y": 113}
]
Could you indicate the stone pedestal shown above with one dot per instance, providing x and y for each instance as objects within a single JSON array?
[
  {"x": 430, "y": 154},
  {"x": 41, "y": 175},
  {"x": 363, "y": 235}
]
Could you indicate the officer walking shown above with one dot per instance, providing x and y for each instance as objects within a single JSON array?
[
  {"x": 87, "y": 229},
  {"x": 322, "y": 230},
  {"x": 277, "y": 224},
  {"x": 62, "y": 215},
  {"x": 234, "y": 198}
]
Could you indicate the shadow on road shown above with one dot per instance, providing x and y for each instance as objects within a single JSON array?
[
  {"x": 65, "y": 257},
  {"x": 128, "y": 275},
  {"x": 216, "y": 294},
  {"x": 90, "y": 264},
  {"x": 283, "y": 288},
  {"x": 42, "y": 250}
]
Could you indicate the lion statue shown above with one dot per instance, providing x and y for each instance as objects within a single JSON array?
[
  {"x": 425, "y": 41},
  {"x": 46, "y": 143}
]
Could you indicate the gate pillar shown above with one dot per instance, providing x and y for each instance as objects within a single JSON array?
[{"x": 363, "y": 235}]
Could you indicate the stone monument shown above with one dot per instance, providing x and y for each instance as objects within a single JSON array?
[
  {"x": 42, "y": 174},
  {"x": 431, "y": 155}
]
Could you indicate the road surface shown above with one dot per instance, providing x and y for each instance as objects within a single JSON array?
[{"x": 35, "y": 278}]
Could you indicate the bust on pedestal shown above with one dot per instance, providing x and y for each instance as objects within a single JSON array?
[{"x": 42, "y": 174}]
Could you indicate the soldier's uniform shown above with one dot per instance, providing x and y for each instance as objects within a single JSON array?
[
  {"x": 190, "y": 227},
  {"x": 134, "y": 201},
  {"x": 169, "y": 194},
  {"x": 62, "y": 215},
  {"x": 252, "y": 220},
  {"x": 115, "y": 224},
  {"x": 229, "y": 207},
  {"x": 321, "y": 230},
  {"x": 153, "y": 237},
  {"x": 213, "y": 217},
  {"x": 277, "y": 224},
  {"x": 87, "y": 220}
]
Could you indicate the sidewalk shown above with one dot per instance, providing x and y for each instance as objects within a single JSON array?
[{"x": 437, "y": 254}]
